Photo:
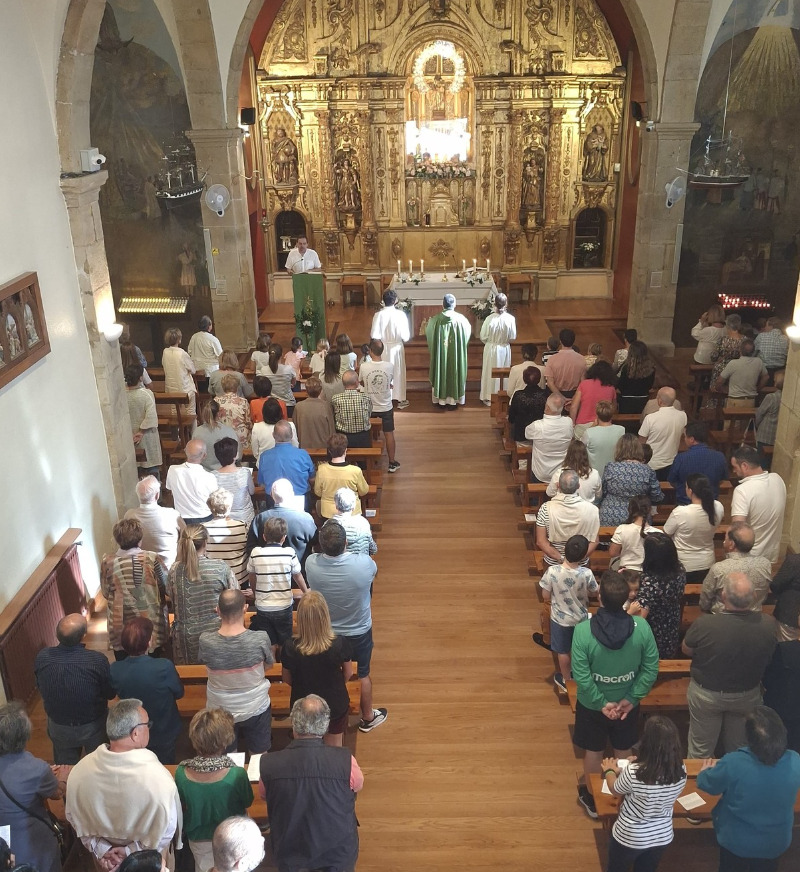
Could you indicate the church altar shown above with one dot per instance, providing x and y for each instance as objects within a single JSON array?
[{"x": 426, "y": 296}]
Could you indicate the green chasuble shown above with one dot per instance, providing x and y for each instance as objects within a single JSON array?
[{"x": 448, "y": 335}]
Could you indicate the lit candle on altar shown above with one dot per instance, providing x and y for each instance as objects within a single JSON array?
[
  {"x": 474, "y": 262},
  {"x": 410, "y": 268},
  {"x": 463, "y": 266},
  {"x": 398, "y": 267},
  {"x": 487, "y": 265},
  {"x": 421, "y": 267}
]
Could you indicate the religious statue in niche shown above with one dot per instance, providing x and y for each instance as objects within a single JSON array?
[
  {"x": 348, "y": 187},
  {"x": 30, "y": 326},
  {"x": 531, "y": 186},
  {"x": 284, "y": 159},
  {"x": 12, "y": 337},
  {"x": 595, "y": 155}
]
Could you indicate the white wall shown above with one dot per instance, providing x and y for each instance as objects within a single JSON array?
[{"x": 53, "y": 455}]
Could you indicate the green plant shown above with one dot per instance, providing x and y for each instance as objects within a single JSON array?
[{"x": 307, "y": 321}]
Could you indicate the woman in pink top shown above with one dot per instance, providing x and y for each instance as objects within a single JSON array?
[{"x": 599, "y": 384}]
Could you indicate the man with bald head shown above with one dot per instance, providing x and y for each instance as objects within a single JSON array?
[
  {"x": 351, "y": 411},
  {"x": 662, "y": 431},
  {"x": 301, "y": 530},
  {"x": 283, "y": 460},
  {"x": 75, "y": 685},
  {"x": 730, "y": 651},
  {"x": 448, "y": 336},
  {"x": 160, "y": 524},
  {"x": 739, "y": 542},
  {"x": 192, "y": 485},
  {"x": 550, "y": 437}
]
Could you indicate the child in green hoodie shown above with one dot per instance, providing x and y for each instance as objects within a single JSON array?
[{"x": 615, "y": 664}]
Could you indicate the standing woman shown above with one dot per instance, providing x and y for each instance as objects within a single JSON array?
[
  {"x": 692, "y": 528},
  {"x": 211, "y": 430},
  {"x": 599, "y": 385},
  {"x": 661, "y": 593},
  {"x": 499, "y": 330},
  {"x": 649, "y": 787},
  {"x": 234, "y": 410},
  {"x": 30, "y": 781},
  {"x": 577, "y": 459},
  {"x": 347, "y": 357},
  {"x": 626, "y": 477},
  {"x": 237, "y": 480},
  {"x": 227, "y": 536},
  {"x": 316, "y": 660},
  {"x": 332, "y": 377},
  {"x": 194, "y": 585},
  {"x": 727, "y": 349},
  {"x": 758, "y": 785},
  {"x": 178, "y": 370},
  {"x": 636, "y": 377},
  {"x": 282, "y": 378},
  {"x": 229, "y": 365}
]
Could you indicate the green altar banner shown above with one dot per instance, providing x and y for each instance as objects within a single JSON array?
[{"x": 309, "y": 306}]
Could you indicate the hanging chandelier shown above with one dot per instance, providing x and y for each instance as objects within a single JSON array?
[{"x": 446, "y": 50}]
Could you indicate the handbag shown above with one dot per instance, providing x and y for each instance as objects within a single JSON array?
[{"x": 50, "y": 821}]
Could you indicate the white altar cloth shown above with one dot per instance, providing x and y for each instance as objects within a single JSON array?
[{"x": 430, "y": 291}]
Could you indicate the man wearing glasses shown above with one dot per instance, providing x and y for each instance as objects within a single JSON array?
[{"x": 120, "y": 798}]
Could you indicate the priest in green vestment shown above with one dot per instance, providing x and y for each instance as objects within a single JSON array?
[{"x": 448, "y": 336}]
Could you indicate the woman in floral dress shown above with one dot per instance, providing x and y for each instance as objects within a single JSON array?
[
  {"x": 234, "y": 410},
  {"x": 660, "y": 594},
  {"x": 727, "y": 350}
]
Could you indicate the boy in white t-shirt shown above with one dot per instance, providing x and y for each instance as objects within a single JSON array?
[
  {"x": 377, "y": 376},
  {"x": 567, "y": 587},
  {"x": 273, "y": 566}
]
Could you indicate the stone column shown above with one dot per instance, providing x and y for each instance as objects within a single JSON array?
[
  {"x": 653, "y": 290},
  {"x": 83, "y": 207},
  {"x": 219, "y": 153},
  {"x": 786, "y": 457}
]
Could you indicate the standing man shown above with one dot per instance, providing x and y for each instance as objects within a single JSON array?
[
  {"x": 310, "y": 789},
  {"x": 75, "y": 685},
  {"x": 448, "y": 336},
  {"x": 283, "y": 460},
  {"x": 191, "y": 484},
  {"x": 746, "y": 376},
  {"x": 160, "y": 524},
  {"x": 351, "y": 412},
  {"x": 662, "y": 431},
  {"x": 730, "y": 652},
  {"x": 698, "y": 457},
  {"x": 759, "y": 500},
  {"x": 302, "y": 258},
  {"x": 301, "y": 529},
  {"x": 205, "y": 348},
  {"x": 391, "y": 327},
  {"x": 565, "y": 370},
  {"x": 377, "y": 376}
]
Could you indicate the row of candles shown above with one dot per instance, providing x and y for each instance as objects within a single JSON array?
[{"x": 463, "y": 266}]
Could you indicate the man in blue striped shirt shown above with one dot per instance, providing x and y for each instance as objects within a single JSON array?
[
  {"x": 75, "y": 685},
  {"x": 697, "y": 458}
]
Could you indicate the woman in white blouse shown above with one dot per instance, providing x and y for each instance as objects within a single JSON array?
[
  {"x": 692, "y": 528},
  {"x": 577, "y": 458},
  {"x": 262, "y": 438},
  {"x": 626, "y": 550},
  {"x": 178, "y": 370}
]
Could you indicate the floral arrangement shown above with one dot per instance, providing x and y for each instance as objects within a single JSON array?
[
  {"x": 307, "y": 321},
  {"x": 482, "y": 309},
  {"x": 427, "y": 168},
  {"x": 416, "y": 278},
  {"x": 474, "y": 277},
  {"x": 589, "y": 247},
  {"x": 401, "y": 305}
]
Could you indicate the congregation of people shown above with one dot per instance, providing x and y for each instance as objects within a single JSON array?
[{"x": 626, "y": 521}]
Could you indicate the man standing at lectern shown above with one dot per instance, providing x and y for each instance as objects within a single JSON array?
[
  {"x": 391, "y": 326},
  {"x": 302, "y": 258},
  {"x": 448, "y": 336}
]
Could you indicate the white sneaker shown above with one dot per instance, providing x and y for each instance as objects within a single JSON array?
[{"x": 403, "y": 404}]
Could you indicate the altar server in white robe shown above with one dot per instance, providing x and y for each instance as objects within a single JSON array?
[
  {"x": 391, "y": 326},
  {"x": 499, "y": 330}
]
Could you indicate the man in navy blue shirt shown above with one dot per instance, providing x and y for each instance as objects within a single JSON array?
[
  {"x": 75, "y": 685},
  {"x": 697, "y": 458},
  {"x": 286, "y": 461}
]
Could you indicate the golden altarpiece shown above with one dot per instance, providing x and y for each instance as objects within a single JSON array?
[{"x": 444, "y": 131}]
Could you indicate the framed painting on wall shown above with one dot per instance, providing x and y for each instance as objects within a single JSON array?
[{"x": 23, "y": 333}]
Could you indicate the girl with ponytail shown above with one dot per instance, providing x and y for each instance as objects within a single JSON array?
[
  {"x": 282, "y": 378},
  {"x": 692, "y": 528},
  {"x": 627, "y": 544},
  {"x": 194, "y": 584}
]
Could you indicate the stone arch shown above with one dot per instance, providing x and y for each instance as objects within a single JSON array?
[{"x": 239, "y": 53}]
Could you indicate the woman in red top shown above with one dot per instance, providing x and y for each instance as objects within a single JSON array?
[{"x": 599, "y": 384}]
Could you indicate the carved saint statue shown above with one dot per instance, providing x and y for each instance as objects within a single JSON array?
[
  {"x": 348, "y": 187},
  {"x": 284, "y": 159},
  {"x": 531, "y": 186},
  {"x": 595, "y": 149}
]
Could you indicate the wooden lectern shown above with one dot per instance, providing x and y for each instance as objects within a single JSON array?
[{"x": 309, "y": 288}]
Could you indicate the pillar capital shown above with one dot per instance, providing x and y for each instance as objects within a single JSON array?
[
  {"x": 676, "y": 129},
  {"x": 84, "y": 189},
  {"x": 219, "y": 136}
]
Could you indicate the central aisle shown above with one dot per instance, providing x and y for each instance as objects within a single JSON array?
[{"x": 474, "y": 767}]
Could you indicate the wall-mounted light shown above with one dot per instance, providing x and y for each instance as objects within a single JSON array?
[
  {"x": 793, "y": 332},
  {"x": 113, "y": 332}
]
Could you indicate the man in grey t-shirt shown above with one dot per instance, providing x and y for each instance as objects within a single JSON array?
[
  {"x": 236, "y": 659},
  {"x": 745, "y": 376}
]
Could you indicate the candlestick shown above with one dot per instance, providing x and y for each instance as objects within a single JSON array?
[
  {"x": 464, "y": 266},
  {"x": 487, "y": 265},
  {"x": 410, "y": 267},
  {"x": 398, "y": 267},
  {"x": 421, "y": 267},
  {"x": 474, "y": 262}
]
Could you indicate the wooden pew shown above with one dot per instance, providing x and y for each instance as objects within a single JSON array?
[
  {"x": 169, "y": 407},
  {"x": 737, "y": 430}
]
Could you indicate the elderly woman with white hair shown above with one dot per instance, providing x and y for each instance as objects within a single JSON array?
[
  {"x": 227, "y": 536},
  {"x": 161, "y": 525},
  {"x": 357, "y": 528},
  {"x": 30, "y": 781}
]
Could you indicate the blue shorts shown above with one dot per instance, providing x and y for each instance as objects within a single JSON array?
[
  {"x": 362, "y": 651},
  {"x": 560, "y": 638}
]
